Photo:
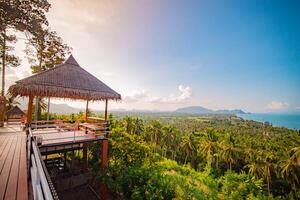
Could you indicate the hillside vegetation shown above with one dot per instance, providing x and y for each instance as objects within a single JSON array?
[{"x": 204, "y": 157}]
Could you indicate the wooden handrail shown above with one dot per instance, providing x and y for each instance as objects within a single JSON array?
[{"x": 40, "y": 183}]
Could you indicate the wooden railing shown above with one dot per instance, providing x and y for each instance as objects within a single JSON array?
[{"x": 42, "y": 187}]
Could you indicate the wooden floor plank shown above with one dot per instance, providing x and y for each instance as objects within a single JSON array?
[
  {"x": 3, "y": 145},
  {"x": 13, "y": 164},
  {"x": 11, "y": 188},
  {"x": 22, "y": 193},
  {"x": 5, "y": 153},
  {"x": 2, "y": 139},
  {"x": 7, "y": 167}
]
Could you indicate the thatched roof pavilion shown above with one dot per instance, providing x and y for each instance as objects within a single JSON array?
[
  {"x": 67, "y": 80},
  {"x": 15, "y": 111}
]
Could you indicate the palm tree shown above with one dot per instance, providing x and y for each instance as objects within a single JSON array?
[
  {"x": 209, "y": 147},
  {"x": 168, "y": 139},
  {"x": 187, "y": 146},
  {"x": 127, "y": 122},
  {"x": 290, "y": 169},
  {"x": 254, "y": 169},
  {"x": 296, "y": 155},
  {"x": 42, "y": 106},
  {"x": 268, "y": 169},
  {"x": 229, "y": 153}
]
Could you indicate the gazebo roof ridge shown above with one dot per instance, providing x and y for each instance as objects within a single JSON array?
[{"x": 53, "y": 68}]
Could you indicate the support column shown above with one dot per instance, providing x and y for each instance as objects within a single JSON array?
[
  {"x": 85, "y": 158},
  {"x": 104, "y": 165},
  {"x": 85, "y": 147},
  {"x": 105, "y": 111},
  {"x": 48, "y": 109},
  {"x": 29, "y": 109},
  {"x": 104, "y": 155},
  {"x": 86, "y": 110}
]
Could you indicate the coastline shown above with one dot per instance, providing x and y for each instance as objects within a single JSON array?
[{"x": 291, "y": 121}]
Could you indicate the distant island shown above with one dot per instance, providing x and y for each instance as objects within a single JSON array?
[{"x": 201, "y": 110}]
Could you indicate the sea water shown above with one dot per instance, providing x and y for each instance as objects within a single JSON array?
[{"x": 286, "y": 120}]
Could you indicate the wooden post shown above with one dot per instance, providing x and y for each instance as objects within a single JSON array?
[
  {"x": 2, "y": 110},
  {"x": 29, "y": 110},
  {"x": 86, "y": 110},
  {"x": 48, "y": 109},
  {"x": 36, "y": 109},
  {"x": 104, "y": 155},
  {"x": 105, "y": 114},
  {"x": 104, "y": 165},
  {"x": 85, "y": 158},
  {"x": 84, "y": 151}
]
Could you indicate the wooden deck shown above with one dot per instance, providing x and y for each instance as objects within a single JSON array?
[{"x": 13, "y": 168}]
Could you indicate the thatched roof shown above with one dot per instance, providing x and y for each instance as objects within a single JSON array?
[
  {"x": 67, "y": 80},
  {"x": 15, "y": 111}
]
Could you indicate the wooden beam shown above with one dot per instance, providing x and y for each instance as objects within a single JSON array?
[
  {"x": 29, "y": 110},
  {"x": 105, "y": 114},
  {"x": 86, "y": 110}
]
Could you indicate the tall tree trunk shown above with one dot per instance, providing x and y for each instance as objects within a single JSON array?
[
  {"x": 268, "y": 183},
  {"x": 3, "y": 62},
  {"x": 185, "y": 158},
  {"x": 38, "y": 100}
]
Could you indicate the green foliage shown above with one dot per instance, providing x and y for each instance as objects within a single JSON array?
[
  {"x": 45, "y": 49},
  {"x": 25, "y": 16},
  {"x": 240, "y": 186},
  {"x": 166, "y": 159}
]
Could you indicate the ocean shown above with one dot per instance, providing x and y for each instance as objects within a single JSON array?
[{"x": 291, "y": 121}]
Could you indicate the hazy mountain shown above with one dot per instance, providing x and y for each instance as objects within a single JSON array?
[
  {"x": 202, "y": 110},
  {"x": 194, "y": 110},
  {"x": 63, "y": 109},
  {"x": 54, "y": 108},
  {"x": 66, "y": 109}
]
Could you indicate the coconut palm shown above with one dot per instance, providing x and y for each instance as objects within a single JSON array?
[
  {"x": 290, "y": 169},
  {"x": 229, "y": 153},
  {"x": 187, "y": 146},
  {"x": 254, "y": 169}
]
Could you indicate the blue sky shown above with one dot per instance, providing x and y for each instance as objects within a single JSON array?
[{"x": 162, "y": 55}]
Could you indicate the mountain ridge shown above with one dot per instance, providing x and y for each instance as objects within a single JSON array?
[{"x": 203, "y": 110}]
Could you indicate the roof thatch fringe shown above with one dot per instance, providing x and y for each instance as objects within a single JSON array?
[{"x": 59, "y": 92}]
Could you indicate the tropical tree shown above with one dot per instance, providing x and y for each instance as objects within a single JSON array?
[
  {"x": 268, "y": 171},
  {"x": 44, "y": 50},
  {"x": 187, "y": 146},
  {"x": 8, "y": 59},
  {"x": 290, "y": 170},
  {"x": 254, "y": 169},
  {"x": 229, "y": 153},
  {"x": 209, "y": 147},
  {"x": 25, "y": 16}
]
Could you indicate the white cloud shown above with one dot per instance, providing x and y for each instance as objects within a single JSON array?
[
  {"x": 184, "y": 96},
  {"x": 136, "y": 96},
  {"x": 274, "y": 105}
]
